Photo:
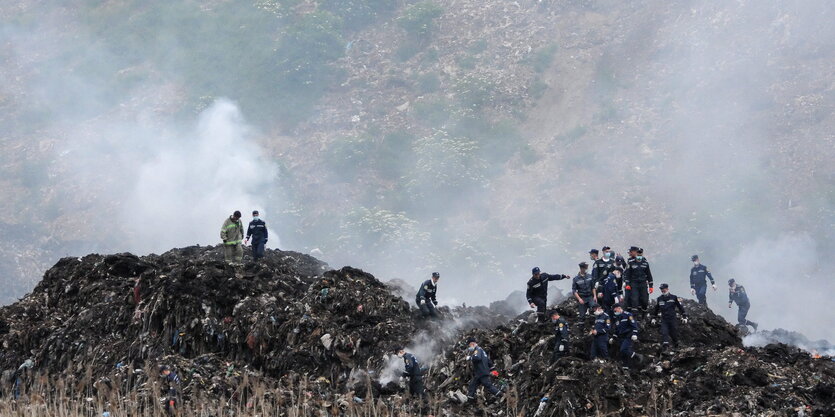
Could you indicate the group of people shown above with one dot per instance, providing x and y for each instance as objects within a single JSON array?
[
  {"x": 232, "y": 235},
  {"x": 616, "y": 292}
]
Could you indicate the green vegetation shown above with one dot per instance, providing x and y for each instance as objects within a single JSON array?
[
  {"x": 543, "y": 57},
  {"x": 418, "y": 20},
  {"x": 428, "y": 82},
  {"x": 358, "y": 13}
]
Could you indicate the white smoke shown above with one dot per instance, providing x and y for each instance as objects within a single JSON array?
[
  {"x": 183, "y": 193},
  {"x": 787, "y": 284},
  {"x": 425, "y": 346}
]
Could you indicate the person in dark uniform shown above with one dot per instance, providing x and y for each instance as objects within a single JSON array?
[
  {"x": 601, "y": 268},
  {"x": 698, "y": 274},
  {"x": 561, "y": 336},
  {"x": 537, "y": 293},
  {"x": 666, "y": 306},
  {"x": 413, "y": 371},
  {"x": 638, "y": 280},
  {"x": 481, "y": 370},
  {"x": 600, "y": 334},
  {"x": 609, "y": 290},
  {"x": 425, "y": 298},
  {"x": 582, "y": 287},
  {"x": 257, "y": 231},
  {"x": 737, "y": 294},
  {"x": 626, "y": 331},
  {"x": 627, "y": 286}
]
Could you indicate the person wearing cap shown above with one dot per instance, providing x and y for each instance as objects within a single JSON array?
[
  {"x": 481, "y": 369},
  {"x": 537, "y": 292},
  {"x": 582, "y": 286},
  {"x": 698, "y": 274},
  {"x": 413, "y": 371},
  {"x": 257, "y": 230},
  {"x": 638, "y": 281},
  {"x": 737, "y": 294},
  {"x": 609, "y": 290},
  {"x": 626, "y": 331},
  {"x": 170, "y": 382},
  {"x": 601, "y": 267},
  {"x": 425, "y": 298},
  {"x": 561, "y": 336},
  {"x": 600, "y": 333},
  {"x": 232, "y": 235},
  {"x": 666, "y": 306}
]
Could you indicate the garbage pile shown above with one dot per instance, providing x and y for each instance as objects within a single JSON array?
[
  {"x": 288, "y": 334},
  {"x": 710, "y": 374},
  {"x": 186, "y": 307}
]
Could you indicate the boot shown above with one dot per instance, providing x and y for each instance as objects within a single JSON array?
[{"x": 754, "y": 325}]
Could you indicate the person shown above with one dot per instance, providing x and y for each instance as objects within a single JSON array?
[
  {"x": 232, "y": 234},
  {"x": 698, "y": 274},
  {"x": 537, "y": 293},
  {"x": 601, "y": 268},
  {"x": 626, "y": 331},
  {"x": 638, "y": 281},
  {"x": 583, "y": 288},
  {"x": 425, "y": 298},
  {"x": 627, "y": 288},
  {"x": 666, "y": 306},
  {"x": 609, "y": 290},
  {"x": 561, "y": 336},
  {"x": 257, "y": 230},
  {"x": 737, "y": 294},
  {"x": 412, "y": 371},
  {"x": 22, "y": 378},
  {"x": 600, "y": 333},
  {"x": 481, "y": 370},
  {"x": 170, "y": 382}
]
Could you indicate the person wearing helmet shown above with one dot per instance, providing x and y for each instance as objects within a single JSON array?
[
  {"x": 232, "y": 235},
  {"x": 666, "y": 307},
  {"x": 698, "y": 274},
  {"x": 736, "y": 293},
  {"x": 425, "y": 298},
  {"x": 537, "y": 292}
]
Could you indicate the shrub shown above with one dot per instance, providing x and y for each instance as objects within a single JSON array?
[
  {"x": 428, "y": 82},
  {"x": 358, "y": 13},
  {"x": 418, "y": 20}
]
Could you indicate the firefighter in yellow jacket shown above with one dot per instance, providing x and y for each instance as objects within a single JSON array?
[{"x": 232, "y": 234}]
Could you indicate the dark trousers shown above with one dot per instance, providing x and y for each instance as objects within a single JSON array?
[
  {"x": 540, "y": 309},
  {"x": 585, "y": 307},
  {"x": 669, "y": 331},
  {"x": 258, "y": 249},
  {"x": 639, "y": 298},
  {"x": 557, "y": 354},
  {"x": 428, "y": 309},
  {"x": 600, "y": 346},
  {"x": 416, "y": 386},
  {"x": 742, "y": 315},
  {"x": 701, "y": 294},
  {"x": 625, "y": 352},
  {"x": 607, "y": 304},
  {"x": 627, "y": 299},
  {"x": 484, "y": 381}
]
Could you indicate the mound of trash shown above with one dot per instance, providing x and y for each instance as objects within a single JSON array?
[
  {"x": 289, "y": 336},
  {"x": 709, "y": 374},
  {"x": 287, "y": 313}
]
